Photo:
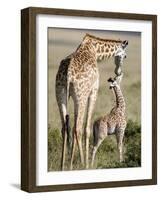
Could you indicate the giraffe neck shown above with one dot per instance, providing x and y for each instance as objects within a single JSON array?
[
  {"x": 103, "y": 48},
  {"x": 120, "y": 102}
]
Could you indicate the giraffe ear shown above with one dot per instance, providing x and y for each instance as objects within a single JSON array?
[{"x": 124, "y": 44}]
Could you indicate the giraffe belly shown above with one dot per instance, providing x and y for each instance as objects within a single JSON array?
[{"x": 111, "y": 130}]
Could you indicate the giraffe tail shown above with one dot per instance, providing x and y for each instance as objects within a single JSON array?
[
  {"x": 95, "y": 136},
  {"x": 68, "y": 131},
  {"x": 67, "y": 125}
]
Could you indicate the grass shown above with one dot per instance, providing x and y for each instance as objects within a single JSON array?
[{"x": 107, "y": 155}]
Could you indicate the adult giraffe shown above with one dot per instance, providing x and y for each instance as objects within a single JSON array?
[{"x": 78, "y": 77}]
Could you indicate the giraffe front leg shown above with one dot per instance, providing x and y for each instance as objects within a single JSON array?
[
  {"x": 120, "y": 136},
  {"x": 90, "y": 108},
  {"x": 120, "y": 147}
]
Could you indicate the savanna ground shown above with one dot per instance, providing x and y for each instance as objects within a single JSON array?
[{"x": 62, "y": 42}]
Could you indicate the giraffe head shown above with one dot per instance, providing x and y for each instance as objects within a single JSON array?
[
  {"x": 115, "y": 82},
  {"x": 120, "y": 53}
]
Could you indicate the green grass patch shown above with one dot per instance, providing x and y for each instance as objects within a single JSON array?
[{"x": 107, "y": 154}]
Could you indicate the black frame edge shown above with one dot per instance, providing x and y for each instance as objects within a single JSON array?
[{"x": 24, "y": 99}]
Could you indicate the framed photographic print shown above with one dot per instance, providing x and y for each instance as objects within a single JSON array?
[{"x": 88, "y": 99}]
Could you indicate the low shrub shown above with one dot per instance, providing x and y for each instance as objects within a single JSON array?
[{"x": 107, "y": 154}]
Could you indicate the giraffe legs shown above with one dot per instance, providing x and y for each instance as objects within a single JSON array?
[
  {"x": 62, "y": 104},
  {"x": 95, "y": 148},
  {"x": 90, "y": 107},
  {"x": 79, "y": 142},
  {"x": 119, "y": 137},
  {"x": 77, "y": 132},
  {"x": 73, "y": 151},
  {"x": 64, "y": 135}
]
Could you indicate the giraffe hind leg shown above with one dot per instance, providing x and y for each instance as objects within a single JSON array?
[
  {"x": 62, "y": 104},
  {"x": 63, "y": 150},
  {"x": 95, "y": 148},
  {"x": 99, "y": 134},
  {"x": 72, "y": 152},
  {"x": 90, "y": 108},
  {"x": 64, "y": 135},
  {"x": 79, "y": 111}
]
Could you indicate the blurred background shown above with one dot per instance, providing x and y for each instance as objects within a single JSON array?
[{"x": 61, "y": 43}]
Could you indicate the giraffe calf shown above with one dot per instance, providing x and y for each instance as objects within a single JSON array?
[{"x": 113, "y": 123}]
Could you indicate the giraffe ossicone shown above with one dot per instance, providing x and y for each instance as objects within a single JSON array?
[{"x": 78, "y": 77}]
